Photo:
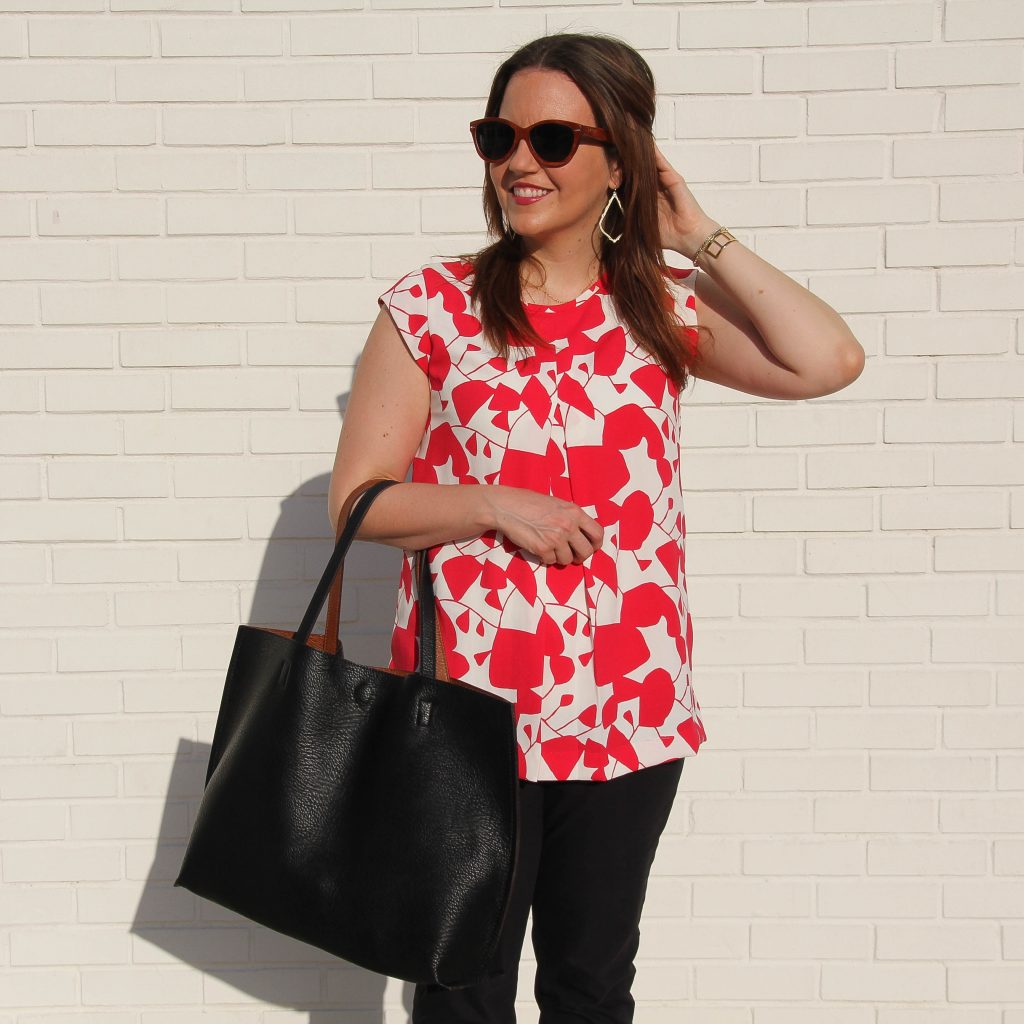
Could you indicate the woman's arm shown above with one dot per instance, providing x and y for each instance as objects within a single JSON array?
[
  {"x": 384, "y": 422},
  {"x": 772, "y": 337}
]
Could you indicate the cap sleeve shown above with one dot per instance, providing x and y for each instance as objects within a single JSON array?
[
  {"x": 682, "y": 287},
  {"x": 406, "y": 301}
]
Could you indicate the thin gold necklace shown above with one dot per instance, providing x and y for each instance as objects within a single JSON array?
[{"x": 558, "y": 302}]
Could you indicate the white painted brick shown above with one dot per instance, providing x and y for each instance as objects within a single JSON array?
[
  {"x": 27, "y": 610},
  {"x": 18, "y": 306},
  {"x": 160, "y": 608},
  {"x": 933, "y": 687},
  {"x": 375, "y": 123},
  {"x": 248, "y": 477},
  {"x": 982, "y": 814},
  {"x": 112, "y": 304},
  {"x": 875, "y": 554},
  {"x": 54, "y": 260},
  {"x": 991, "y": 19},
  {"x": 860, "y": 24},
  {"x": 742, "y": 472},
  {"x": 749, "y": 816},
  {"x": 811, "y": 513},
  {"x": 139, "y": 171},
  {"x": 931, "y": 599},
  {"x": 230, "y": 389},
  {"x": 323, "y": 169},
  {"x": 25, "y": 654},
  {"x": 301, "y": 258},
  {"x": 949, "y": 65},
  {"x": 422, "y": 168},
  {"x": 498, "y": 33},
  {"x": 157, "y": 986},
  {"x": 221, "y": 37},
  {"x": 885, "y": 113},
  {"x": 355, "y": 214},
  {"x": 94, "y": 126},
  {"x": 123, "y": 819},
  {"x": 754, "y": 982},
  {"x": 816, "y": 425},
  {"x": 768, "y": 117},
  {"x": 19, "y": 480},
  {"x": 15, "y": 216},
  {"x": 813, "y": 598},
  {"x": 31, "y": 822},
  {"x": 866, "y": 644},
  {"x": 340, "y": 302},
  {"x": 874, "y": 813},
  {"x": 182, "y": 520},
  {"x": 124, "y": 392},
  {"x": 211, "y": 259},
  {"x": 982, "y": 379},
  {"x": 926, "y": 857},
  {"x": 218, "y": 347},
  {"x": 816, "y": 161},
  {"x": 332, "y": 80},
  {"x": 34, "y": 904},
  {"x": 786, "y": 688},
  {"x": 145, "y": 695},
  {"x": 943, "y": 510},
  {"x": 89, "y": 37},
  {"x": 23, "y": 988},
  {"x": 995, "y": 553},
  {"x": 30, "y": 782},
  {"x": 884, "y": 982},
  {"x": 644, "y": 30},
  {"x": 979, "y": 465},
  {"x": 215, "y": 215},
  {"x": 428, "y": 78},
  {"x": 227, "y": 303},
  {"x": 24, "y": 82},
  {"x": 810, "y": 71},
  {"x": 180, "y": 435},
  {"x": 392, "y": 258},
  {"x": 788, "y": 773},
  {"x": 445, "y": 121},
  {"x": 36, "y": 738},
  {"x": 751, "y": 897},
  {"x": 133, "y": 734},
  {"x": 350, "y": 34},
  {"x": 795, "y": 940},
  {"x": 106, "y": 215},
  {"x": 22, "y": 564},
  {"x": 228, "y": 125},
  {"x": 49, "y": 946},
  {"x": 118, "y": 563},
  {"x": 55, "y": 521},
  {"x": 175, "y": 81}
]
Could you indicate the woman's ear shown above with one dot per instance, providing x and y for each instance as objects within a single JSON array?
[{"x": 614, "y": 172}]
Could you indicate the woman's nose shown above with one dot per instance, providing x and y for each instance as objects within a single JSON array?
[{"x": 522, "y": 158}]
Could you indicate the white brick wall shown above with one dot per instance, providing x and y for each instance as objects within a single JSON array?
[{"x": 198, "y": 207}]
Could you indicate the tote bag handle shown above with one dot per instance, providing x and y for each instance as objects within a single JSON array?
[{"x": 431, "y": 656}]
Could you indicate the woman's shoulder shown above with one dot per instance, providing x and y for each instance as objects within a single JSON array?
[{"x": 440, "y": 274}]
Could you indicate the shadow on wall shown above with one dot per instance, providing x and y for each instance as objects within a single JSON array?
[{"x": 237, "y": 962}]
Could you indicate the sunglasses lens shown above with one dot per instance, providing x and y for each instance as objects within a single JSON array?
[
  {"x": 494, "y": 139},
  {"x": 552, "y": 142}
]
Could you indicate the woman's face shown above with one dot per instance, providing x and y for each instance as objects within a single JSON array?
[{"x": 573, "y": 195}]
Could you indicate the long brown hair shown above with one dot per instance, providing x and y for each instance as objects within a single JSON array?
[{"x": 619, "y": 85}]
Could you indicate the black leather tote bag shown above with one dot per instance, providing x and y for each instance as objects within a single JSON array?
[{"x": 369, "y": 812}]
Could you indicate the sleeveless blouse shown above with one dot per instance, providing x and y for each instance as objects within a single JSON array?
[{"x": 595, "y": 657}]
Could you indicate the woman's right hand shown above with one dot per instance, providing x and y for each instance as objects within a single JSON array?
[{"x": 556, "y": 531}]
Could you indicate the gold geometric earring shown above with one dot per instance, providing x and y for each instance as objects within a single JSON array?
[{"x": 614, "y": 197}]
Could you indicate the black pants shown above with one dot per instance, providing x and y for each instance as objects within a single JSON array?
[{"x": 585, "y": 856}]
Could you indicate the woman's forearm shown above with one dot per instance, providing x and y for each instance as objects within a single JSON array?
[
  {"x": 803, "y": 332},
  {"x": 420, "y": 515}
]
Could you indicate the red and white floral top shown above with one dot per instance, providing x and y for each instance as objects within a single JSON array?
[{"x": 595, "y": 657}]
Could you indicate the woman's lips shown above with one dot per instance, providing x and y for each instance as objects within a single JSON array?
[{"x": 526, "y": 200}]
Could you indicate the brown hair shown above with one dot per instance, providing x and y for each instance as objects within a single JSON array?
[{"x": 619, "y": 85}]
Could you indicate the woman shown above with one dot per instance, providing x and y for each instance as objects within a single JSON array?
[{"x": 539, "y": 412}]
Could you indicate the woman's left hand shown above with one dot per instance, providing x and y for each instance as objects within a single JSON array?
[{"x": 682, "y": 222}]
